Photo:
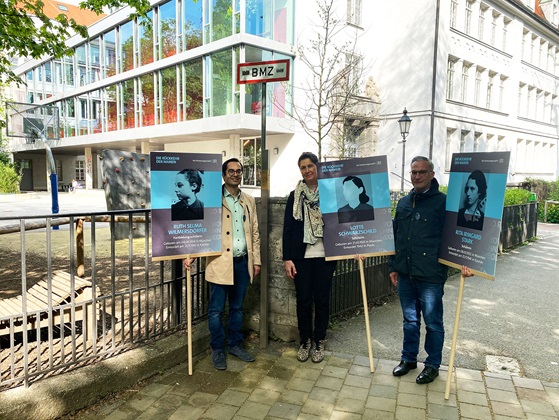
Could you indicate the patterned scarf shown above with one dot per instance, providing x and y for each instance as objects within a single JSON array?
[{"x": 306, "y": 208}]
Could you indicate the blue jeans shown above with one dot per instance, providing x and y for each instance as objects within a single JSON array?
[
  {"x": 218, "y": 297},
  {"x": 416, "y": 298}
]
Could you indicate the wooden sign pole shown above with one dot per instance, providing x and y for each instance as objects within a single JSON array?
[
  {"x": 454, "y": 338},
  {"x": 366, "y": 311}
]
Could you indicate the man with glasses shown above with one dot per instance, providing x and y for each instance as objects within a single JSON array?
[
  {"x": 415, "y": 269},
  {"x": 230, "y": 273}
]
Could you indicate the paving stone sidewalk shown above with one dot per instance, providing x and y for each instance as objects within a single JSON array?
[{"x": 277, "y": 386}]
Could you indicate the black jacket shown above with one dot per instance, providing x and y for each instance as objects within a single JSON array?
[
  {"x": 418, "y": 226},
  {"x": 293, "y": 231}
]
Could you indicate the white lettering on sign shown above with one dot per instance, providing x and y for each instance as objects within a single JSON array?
[{"x": 266, "y": 71}]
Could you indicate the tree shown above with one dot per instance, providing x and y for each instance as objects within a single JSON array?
[
  {"x": 26, "y": 31},
  {"x": 332, "y": 99}
]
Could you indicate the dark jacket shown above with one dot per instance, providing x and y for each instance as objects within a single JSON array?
[
  {"x": 181, "y": 211},
  {"x": 293, "y": 231},
  {"x": 418, "y": 226}
]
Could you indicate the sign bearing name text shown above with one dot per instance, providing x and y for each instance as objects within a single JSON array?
[{"x": 262, "y": 72}]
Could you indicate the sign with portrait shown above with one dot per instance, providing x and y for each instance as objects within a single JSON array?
[
  {"x": 474, "y": 209},
  {"x": 185, "y": 205},
  {"x": 355, "y": 206}
]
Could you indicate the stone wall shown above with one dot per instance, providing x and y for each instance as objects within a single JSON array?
[{"x": 282, "y": 318}]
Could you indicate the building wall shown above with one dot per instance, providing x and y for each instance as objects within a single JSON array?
[
  {"x": 529, "y": 132},
  {"x": 399, "y": 41}
]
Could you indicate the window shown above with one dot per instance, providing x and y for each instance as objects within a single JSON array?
[
  {"x": 192, "y": 95},
  {"x": 450, "y": 79},
  {"x": 477, "y": 89},
  {"x": 166, "y": 37},
  {"x": 109, "y": 54},
  {"x": 80, "y": 170},
  {"x": 490, "y": 143},
  {"x": 533, "y": 50},
  {"x": 464, "y": 92},
  {"x": 502, "y": 80},
  {"x": 94, "y": 61},
  {"x": 59, "y": 174},
  {"x": 525, "y": 45},
  {"x": 550, "y": 59},
  {"x": 354, "y": 12},
  {"x": 463, "y": 136},
  {"x": 468, "y": 18},
  {"x": 448, "y": 149},
  {"x": 146, "y": 46},
  {"x": 167, "y": 93},
  {"x": 495, "y": 18},
  {"x": 252, "y": 162},
  {"x": 506, "y": 23},
  {"x": 218, "y": 20},
  {"x": 126, "y": 45},
  {"x": 353, "y": 70},
  {"x": 190, "y": 27},
  {"x": 481, "y": 22},
  {"x": 477, "y": 141},
  {"x": 219, "y": 80},
  {"x": 146, "y": 100},
  {"x": 520, "y": 101},
  {"x": 489, "y": 90},
  {"x": 453, "y": 13}
]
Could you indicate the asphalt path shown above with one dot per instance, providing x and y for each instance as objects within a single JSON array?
[{"x": 514, "y": 316}]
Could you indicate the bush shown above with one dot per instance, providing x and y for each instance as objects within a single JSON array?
[
  {"x": 516, "y": 196},
  {"x": 9, "y": 179},
  {"x": 552, "y": 213}
]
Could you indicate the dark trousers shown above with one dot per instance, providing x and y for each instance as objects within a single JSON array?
[{"x": 313, "y": 283}]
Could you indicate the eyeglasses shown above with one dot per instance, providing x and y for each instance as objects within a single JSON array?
[
  {"x": 420, "y": 173},
  {"x": 234, "y": 172}
]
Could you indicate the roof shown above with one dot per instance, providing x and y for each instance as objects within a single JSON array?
[{"x": 53, "y": 8}]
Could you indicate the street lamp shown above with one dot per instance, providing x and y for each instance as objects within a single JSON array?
[{"x": 405, "y": 123}]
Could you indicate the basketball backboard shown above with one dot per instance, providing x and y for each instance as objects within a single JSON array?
[{"x": 30, "y": 120}]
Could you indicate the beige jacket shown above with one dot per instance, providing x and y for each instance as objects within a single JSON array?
[{"x": 219, "y": 269}]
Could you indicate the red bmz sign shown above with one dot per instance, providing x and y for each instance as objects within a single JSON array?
[{"x": 262, "y": 72}]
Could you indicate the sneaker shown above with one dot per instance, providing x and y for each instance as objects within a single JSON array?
[
  {"x": 317, "y": 353},
  {"x": 242, "y": 354},
  {"x": 218, "y": 359},
  {"x": 304, "y": 351}
]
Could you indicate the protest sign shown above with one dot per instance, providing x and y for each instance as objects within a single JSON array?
[
  {"x": 186, "y": 204},
  {"x": 474, "y": 208},
  {"x": 355, "y": 206}
]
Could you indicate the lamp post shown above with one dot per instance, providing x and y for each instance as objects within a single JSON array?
[{"x": 405, "y": 123}]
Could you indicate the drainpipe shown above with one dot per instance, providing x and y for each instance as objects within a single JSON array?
[{"x": 434, "y": 81}]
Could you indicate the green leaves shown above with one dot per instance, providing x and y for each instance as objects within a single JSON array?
[{"x": 26, "y": 31}]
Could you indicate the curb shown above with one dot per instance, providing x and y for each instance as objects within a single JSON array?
[{"x": 54, "y": 397}]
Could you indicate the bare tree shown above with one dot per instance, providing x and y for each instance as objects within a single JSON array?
[{"x": 332, "y": 92}]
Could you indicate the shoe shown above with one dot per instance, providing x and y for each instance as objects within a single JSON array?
[
  {"x": 304, "y": 351},
  {"x": 403, "y": 368},
  {"x": 241, "y": 353},
  {"x": 427, "y": 376},
  {"x": 218, "y": 359},
  {"x": 317, "y": 353}
]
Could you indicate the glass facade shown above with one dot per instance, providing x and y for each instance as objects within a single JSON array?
[{"x": 203, "y": 86}]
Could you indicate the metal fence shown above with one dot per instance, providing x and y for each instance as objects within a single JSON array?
[
  {"x": 346, "y": 286},
  {"x": 52, "y": 320}
]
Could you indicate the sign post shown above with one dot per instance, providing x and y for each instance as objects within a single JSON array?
[{"x": 263, "y": 72}]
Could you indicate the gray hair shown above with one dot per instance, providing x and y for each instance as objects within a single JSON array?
[{"x": 424, "y": 159}]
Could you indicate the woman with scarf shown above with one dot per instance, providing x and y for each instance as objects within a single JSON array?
[{"x": 304, "y": 262}]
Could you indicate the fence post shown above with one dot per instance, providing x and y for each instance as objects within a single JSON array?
[{"x": 176, "y": 291}]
